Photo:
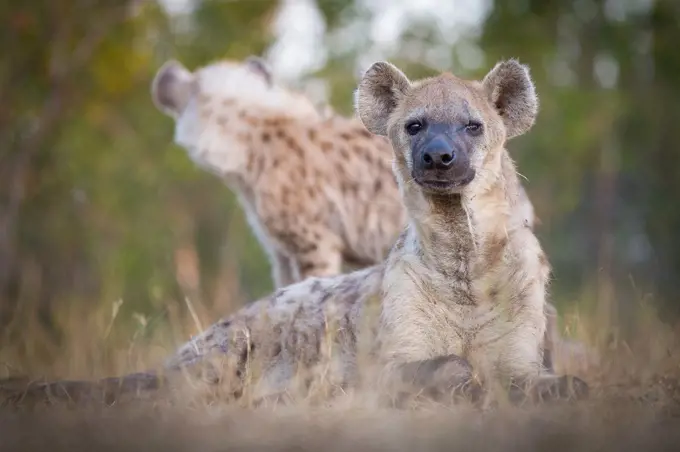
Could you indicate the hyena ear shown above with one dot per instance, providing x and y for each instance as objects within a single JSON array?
[
  {"x": 512, "y": 92},
  {"x": 260, "y": 67},
  {"x": 379, "y": 91},
  {"x": 172, "y": 88}
]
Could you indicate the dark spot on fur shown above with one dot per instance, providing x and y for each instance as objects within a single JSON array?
[
  {"x": 347, "y": 287},
  {"x": 345, "y": 136},
  {"x": 349, "y": 331},
  {"x": 496, "y": 248},
  {"x": 266, "y": 137},
  {"x": 305, "y": 247},
  {"x": 280, "y": 133},
  {"x": 326, "y": 295},
  {"x": 365, "y": 133},
  {"x": 312, "y": 134},
  {"x": 493, "y": 293},
  {"x": 316, "y": 286},
  {"x": 377, "y": 186},
  {"x": 326, "y": 146},
  {"x": 349, "y": 187},
  {"x": 276, "y": 351},
  {"x": 306, "y": 266},
  {"x": 273, "y": 122}
]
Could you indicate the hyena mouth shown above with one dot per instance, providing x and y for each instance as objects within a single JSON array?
[{"x": 444, "y": 186}]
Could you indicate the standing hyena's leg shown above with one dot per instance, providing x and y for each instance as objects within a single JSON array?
[
  {"x": 318, "y": 254},
  {"x": 283, "y": 270},
  {"x": 312, "y": 248}
]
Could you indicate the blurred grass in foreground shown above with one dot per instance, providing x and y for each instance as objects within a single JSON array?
[{"x": 634, "y": 402}]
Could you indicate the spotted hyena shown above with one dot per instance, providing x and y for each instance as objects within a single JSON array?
[{"x": 464, "y": 287}]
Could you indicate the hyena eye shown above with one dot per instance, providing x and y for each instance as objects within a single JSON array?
[
  {"x": 413, "y": 127},
  {"x": 474, "y": 128}
]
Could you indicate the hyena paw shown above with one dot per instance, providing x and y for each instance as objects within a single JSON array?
[{"x": 551, "y": 387}]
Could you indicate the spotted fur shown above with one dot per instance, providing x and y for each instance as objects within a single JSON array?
[{"x": 317, "y": 188}]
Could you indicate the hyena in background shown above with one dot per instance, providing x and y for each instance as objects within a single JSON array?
[{"x": 317, "y": 188}]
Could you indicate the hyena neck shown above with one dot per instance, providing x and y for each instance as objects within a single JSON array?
[
  {"x": 444, "y": 238},
  {"x": 453, "y": 232}
]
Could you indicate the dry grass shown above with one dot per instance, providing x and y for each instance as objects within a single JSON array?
[{"x": 634, "y": 402}]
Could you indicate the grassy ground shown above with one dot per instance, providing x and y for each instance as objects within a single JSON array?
[{"x": 634, "y": 401}]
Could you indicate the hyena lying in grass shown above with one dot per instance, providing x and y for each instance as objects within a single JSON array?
[
  {"x": 462, "y": 292},
  {"x": 317, "y": 188}
]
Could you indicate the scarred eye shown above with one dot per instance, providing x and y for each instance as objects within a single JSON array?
[
  {"x": 474, "y": 128},
  {"x": 413, "y": 127}
]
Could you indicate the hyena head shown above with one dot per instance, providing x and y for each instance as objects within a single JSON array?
[
  {"x": 211, "y": 106},
  {"x": 447, "y": 132}
]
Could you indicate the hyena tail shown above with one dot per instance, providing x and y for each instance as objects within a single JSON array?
[{"x": 23, "y": 392}]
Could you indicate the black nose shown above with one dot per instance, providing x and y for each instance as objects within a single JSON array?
[{"x": 439, "y": 158}]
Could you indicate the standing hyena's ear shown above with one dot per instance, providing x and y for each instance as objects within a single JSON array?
[
  {"x": 172, "y": 88},
  {"x": 376, "y": 98},
  {"x": 512, "y": 92}
]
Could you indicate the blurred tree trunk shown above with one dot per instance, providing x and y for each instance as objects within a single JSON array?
[{"x": 49, "y": 45}]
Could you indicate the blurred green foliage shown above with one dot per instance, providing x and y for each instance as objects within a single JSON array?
[{"x": 97, "y": 203}]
